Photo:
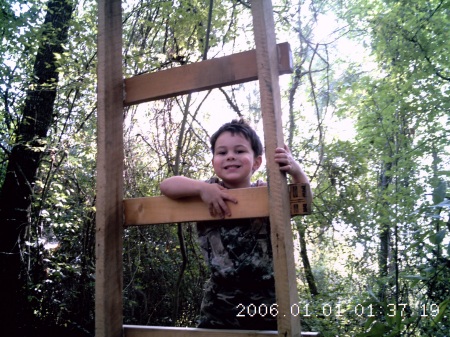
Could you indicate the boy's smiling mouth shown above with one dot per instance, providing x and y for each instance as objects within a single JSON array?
[{"x": 232, "y": 167}]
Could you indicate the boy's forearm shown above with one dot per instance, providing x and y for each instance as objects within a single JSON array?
[
  {"x": 300, "y": 178},
  {"x": 178, "y": 187}
]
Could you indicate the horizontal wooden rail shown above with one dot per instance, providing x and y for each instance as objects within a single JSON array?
[
  {"x": 158, "y": 331},
  {"x": 204, "y": 75},
  {"x": 252, "y": 203}
]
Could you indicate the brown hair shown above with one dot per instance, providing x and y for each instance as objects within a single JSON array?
[{"x": 241, "y": 127}]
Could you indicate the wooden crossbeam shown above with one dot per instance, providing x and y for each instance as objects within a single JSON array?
[
  {"x": 252, "y": 203},
  {"x": 209, "y": 74},
  {"x": 158, "y": 331}
]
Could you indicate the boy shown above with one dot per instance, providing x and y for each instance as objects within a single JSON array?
[{"x": 238, "y": 252}]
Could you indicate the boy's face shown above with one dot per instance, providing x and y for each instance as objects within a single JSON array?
[{"x": 234, "y": 160}]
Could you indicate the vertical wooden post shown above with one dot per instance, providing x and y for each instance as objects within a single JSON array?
[
  {"x": 281, "y": 235},
  {"x": 109, "y": 209}
]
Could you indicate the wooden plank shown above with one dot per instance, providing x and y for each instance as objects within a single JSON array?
[
  {"x": 281, "y": 235},
  {"x": 209, "y": 74},
  {"x": 158, "y": 331},
  {"x": 109, "y": 214},
  {"x": 252, "y": 202}
]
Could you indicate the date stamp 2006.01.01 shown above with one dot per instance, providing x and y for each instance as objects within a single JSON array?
[{"x": 339, "y": 310}]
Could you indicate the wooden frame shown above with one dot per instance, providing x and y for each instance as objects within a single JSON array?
[
  {"x": 281, "y": 232},
  {"x": 110, "y": 205}
]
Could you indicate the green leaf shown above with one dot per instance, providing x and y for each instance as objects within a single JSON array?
[
  {"x": 378, "y": 329},
  {"x": 438, "y": 237},
  {"x": 414, "y": 277},
  {"x": 439, "y": 192},
  {"x": 442, "y": 308},
  {"x": 369, "y": 321}
]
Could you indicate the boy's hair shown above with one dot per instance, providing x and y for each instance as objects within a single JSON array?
[{"x": 243, "y": 128}]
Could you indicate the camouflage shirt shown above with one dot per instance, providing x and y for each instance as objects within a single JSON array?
[{"x": 239, "y": 255}]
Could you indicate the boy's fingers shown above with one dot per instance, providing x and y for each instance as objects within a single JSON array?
[
  {"x": 231, "y": 198},
  {"x": 224, "y": 206},
  {"x": 219, "y": 207},
  {"x": 212, "y": 210},
  {"x": 225, "y": 209},
  {"x": 215, "y": 210}
]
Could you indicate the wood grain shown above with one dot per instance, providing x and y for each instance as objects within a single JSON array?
[
  {"x": 109, "y": 210},
  {"x": 209, "y": 74},
  {"x": 281, "y": 234},
  {"x": 252, "y": 203}
]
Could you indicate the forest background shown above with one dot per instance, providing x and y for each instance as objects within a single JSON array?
[{"x": 366, "y": 110}]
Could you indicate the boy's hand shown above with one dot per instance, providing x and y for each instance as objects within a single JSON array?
[
  {"x": 289, "y": 165},
  {"x": 215, "y": 196}
]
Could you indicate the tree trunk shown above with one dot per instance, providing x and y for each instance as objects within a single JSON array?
[
  {"x": 23, "y": 162},
  {"x": 306, "y": 265},
  {"x": 385, "y": 230}
]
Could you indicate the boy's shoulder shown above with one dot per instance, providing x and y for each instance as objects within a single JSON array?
[
  {"x": 214, "y": 180},
  {"x": 217, "y": 180}
]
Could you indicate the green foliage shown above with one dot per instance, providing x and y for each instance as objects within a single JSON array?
[
  {"x": 161, "y": 34},
  {"x": 380, "y": 200},
  {"x": 152, "y": 258},
  {"x": 378, "y": 239}
]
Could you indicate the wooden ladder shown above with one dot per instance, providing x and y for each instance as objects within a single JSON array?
[{"x": 265, "y": 63}]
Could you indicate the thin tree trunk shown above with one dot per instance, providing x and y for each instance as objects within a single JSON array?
[
  {"x": 306, "y": 265},
  {"x": 177, "y": 171},
  {"x": 23, "y": 162},
  {"x": 295, "y": 84},
  {"x": 385, "y": 229}
]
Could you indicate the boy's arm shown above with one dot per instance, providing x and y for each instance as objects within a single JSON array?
[
  {"x": 213, "y": 195},
  {"x": 178, "y": 187}
]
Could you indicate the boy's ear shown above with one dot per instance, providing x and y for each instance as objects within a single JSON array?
[{"x": 257, "y": 163}]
